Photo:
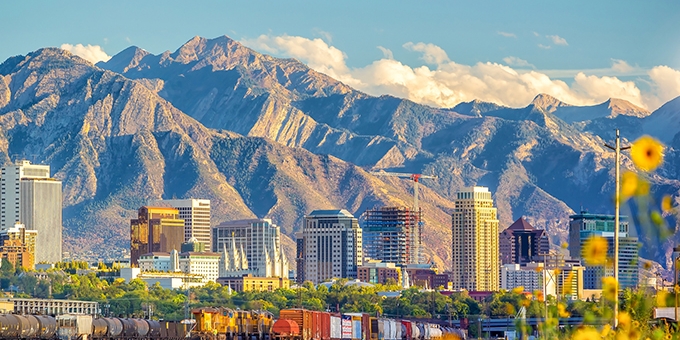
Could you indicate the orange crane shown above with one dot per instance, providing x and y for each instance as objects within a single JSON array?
[{"x": 414, "y": 177}]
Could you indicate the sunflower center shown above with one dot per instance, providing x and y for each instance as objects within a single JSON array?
[{"x": 649, "y": 152}]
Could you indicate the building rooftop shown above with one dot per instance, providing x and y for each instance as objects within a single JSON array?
[
  {"x": 584, "y": 215},
  {"x": 521, "y": 224},
  {"x": 340, "y": 212}
]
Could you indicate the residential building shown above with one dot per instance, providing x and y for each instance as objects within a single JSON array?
[
  {"x": 204, "y": 264},
  {"x": 250, "y": 247},
  {"x": 475, "y": 259},
  {"x": 155, "y": 262},
  {"x": 28, "y": 195},
  {"x": 392, "y": 234},
  {"x": 522, "y": 243},
  {"x": 156, "y": 229},
  {"x": 249, "y": 282},
  {"x": 379, "y": 272},
  {"x": 585, "y": 225},
  {"x": 167, "y": 280},
  {"x": 332, "y": 245},
  {"x": 17, "y": 245},
  {"x": 532, "y": 277},
  {"x": 196, "y": 216}
]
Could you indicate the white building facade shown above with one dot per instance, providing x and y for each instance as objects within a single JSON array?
[
  {"x": 532, "y": 277},
  {"x": 196, "y": 216},
  {"x": 31, "y": 197},
  {"x": 205, "y": 265},
  {"x": 250, "y": 247}
]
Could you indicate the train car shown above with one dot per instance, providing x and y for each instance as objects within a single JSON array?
[
  {"x": 336, "y": 327},
  {"x": 284, "y": 329},
  {"x": 303, "y": 318},
  {"x": 71, "y": 326},
  {"x": 47, "y": 326},
  {"x": 265, "y": 322}
]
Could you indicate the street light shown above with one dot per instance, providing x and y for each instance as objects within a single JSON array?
[{"x": 617, "y": 205}]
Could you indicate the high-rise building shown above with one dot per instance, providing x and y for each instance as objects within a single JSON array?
[
  {"x": 31, "y": 197},
  {"x": 332, "y": 245},
  {"x": 585, "y": 225},
  {"x": 156, "y": 229},
  {"x": 521, "y": 243},
  {"x": 299, "y": 258},
  {"x": 17, "y": 245},
  {"x": 475, "y": 263},
  {"x": 196, "y": 216},
  {"x": 250, "y": 247},
  {"x": 392, "y": 234}
]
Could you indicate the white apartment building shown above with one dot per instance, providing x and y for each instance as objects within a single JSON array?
[
  {"x": 533, "y": 277},
  {"x": 475, "y": 252},
  {"x": 332, "y": 245},
  {"x": 205, "y": 265},
  {"x": 250, "y": 246},
  {"x": 196, "y": 216},
  {"x": 28, "y": 195}
]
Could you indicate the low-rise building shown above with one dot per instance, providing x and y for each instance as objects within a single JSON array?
[
  {"x": 532, "y": 277},
  {"x": 379, "y": 272},
  {"x": 248, "y": 282},
  {"x": 54, "y": 306},
  {"x": 17, "y": 245}
]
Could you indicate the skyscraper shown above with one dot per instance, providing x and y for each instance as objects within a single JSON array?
[
  {"x": 475, "y": 241},
  {"x": 392, "y": 234},
  {"x": 31, "y": 197},
  {"x": 585, "y": 225},
  {"x": 332, "y": 245},
  {"x": 156, "y": 229},
  {"x": 250, "y": 247},
  {"x": 196, "y": 216},
  {"x": 521, "y": 243}
]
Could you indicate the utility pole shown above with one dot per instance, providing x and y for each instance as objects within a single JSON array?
[{"x": 617, "y": 205}]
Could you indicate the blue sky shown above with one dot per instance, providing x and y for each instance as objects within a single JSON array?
[{"x": 601, "y": 39}]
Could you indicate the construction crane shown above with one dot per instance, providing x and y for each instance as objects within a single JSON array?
[{"x": 414, "y": 177}]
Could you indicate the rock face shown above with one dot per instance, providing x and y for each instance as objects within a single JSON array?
[{"x": 269, "y": 137}]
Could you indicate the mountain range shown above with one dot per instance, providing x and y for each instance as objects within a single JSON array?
[{"x": 269, "y": 137}]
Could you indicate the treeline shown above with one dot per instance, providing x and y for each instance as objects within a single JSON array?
[{"x": 137, "y": 299}]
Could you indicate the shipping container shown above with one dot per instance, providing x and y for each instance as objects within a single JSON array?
[
  {"x": 346, "y": 324},
  {"x": 336, "y": 327},
  {"x": 365, "y": 324}
]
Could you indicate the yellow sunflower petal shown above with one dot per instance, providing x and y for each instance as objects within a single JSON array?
[
  {"x": 629, "y": 184},
  {"x": 647, "y": 153},
  {"x": 667, "y": 203},
  {"x": 595, "y": 251},
  {"x": 610, "y": 287}
]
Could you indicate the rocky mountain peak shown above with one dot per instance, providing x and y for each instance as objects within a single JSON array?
[
  {"x": 126, "y": 59},
  {"x": 547, "y": 103},
  {"x": 626, "y": 108}
]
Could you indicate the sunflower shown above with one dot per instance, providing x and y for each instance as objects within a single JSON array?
[
  {"x": 647, "y": 153},
  {"x": 518, "y": 290},
  {"x": 562, "y": 310},
  {"x": 661, "y": 297},
  {"x": 667, "y": 203},
  {"x": 586, "y": 333},
  {"x": 629, "y": 184},
  {"x": 595, "y": 251},
  {"x": 605, "y": 330},
  {"x": 610, "y": 287},
  {"x": 624, "y": 320}
]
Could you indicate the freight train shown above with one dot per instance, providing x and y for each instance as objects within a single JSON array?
[{"x": 224, "y": 324}]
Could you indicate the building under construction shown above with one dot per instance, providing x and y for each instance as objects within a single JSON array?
[{"x": 392, "y": 234}]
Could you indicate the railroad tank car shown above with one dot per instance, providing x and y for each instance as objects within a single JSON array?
[
  {"x": 47, "y": 326},
  {"x": 284, "y": 329}
]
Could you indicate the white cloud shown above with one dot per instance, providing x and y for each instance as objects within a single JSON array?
[
  {"x": 621, "y": 66},
  {"x": 545, "y": 47},
  {"x": 507, "y": 34},
  {"x": 515, "y": 61},
  {"x": 557, "y": 40},
  {"x": 91, "y": 53},
  {"x": 387, "y": 53},
  {"x": 445, "y": 83}
]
